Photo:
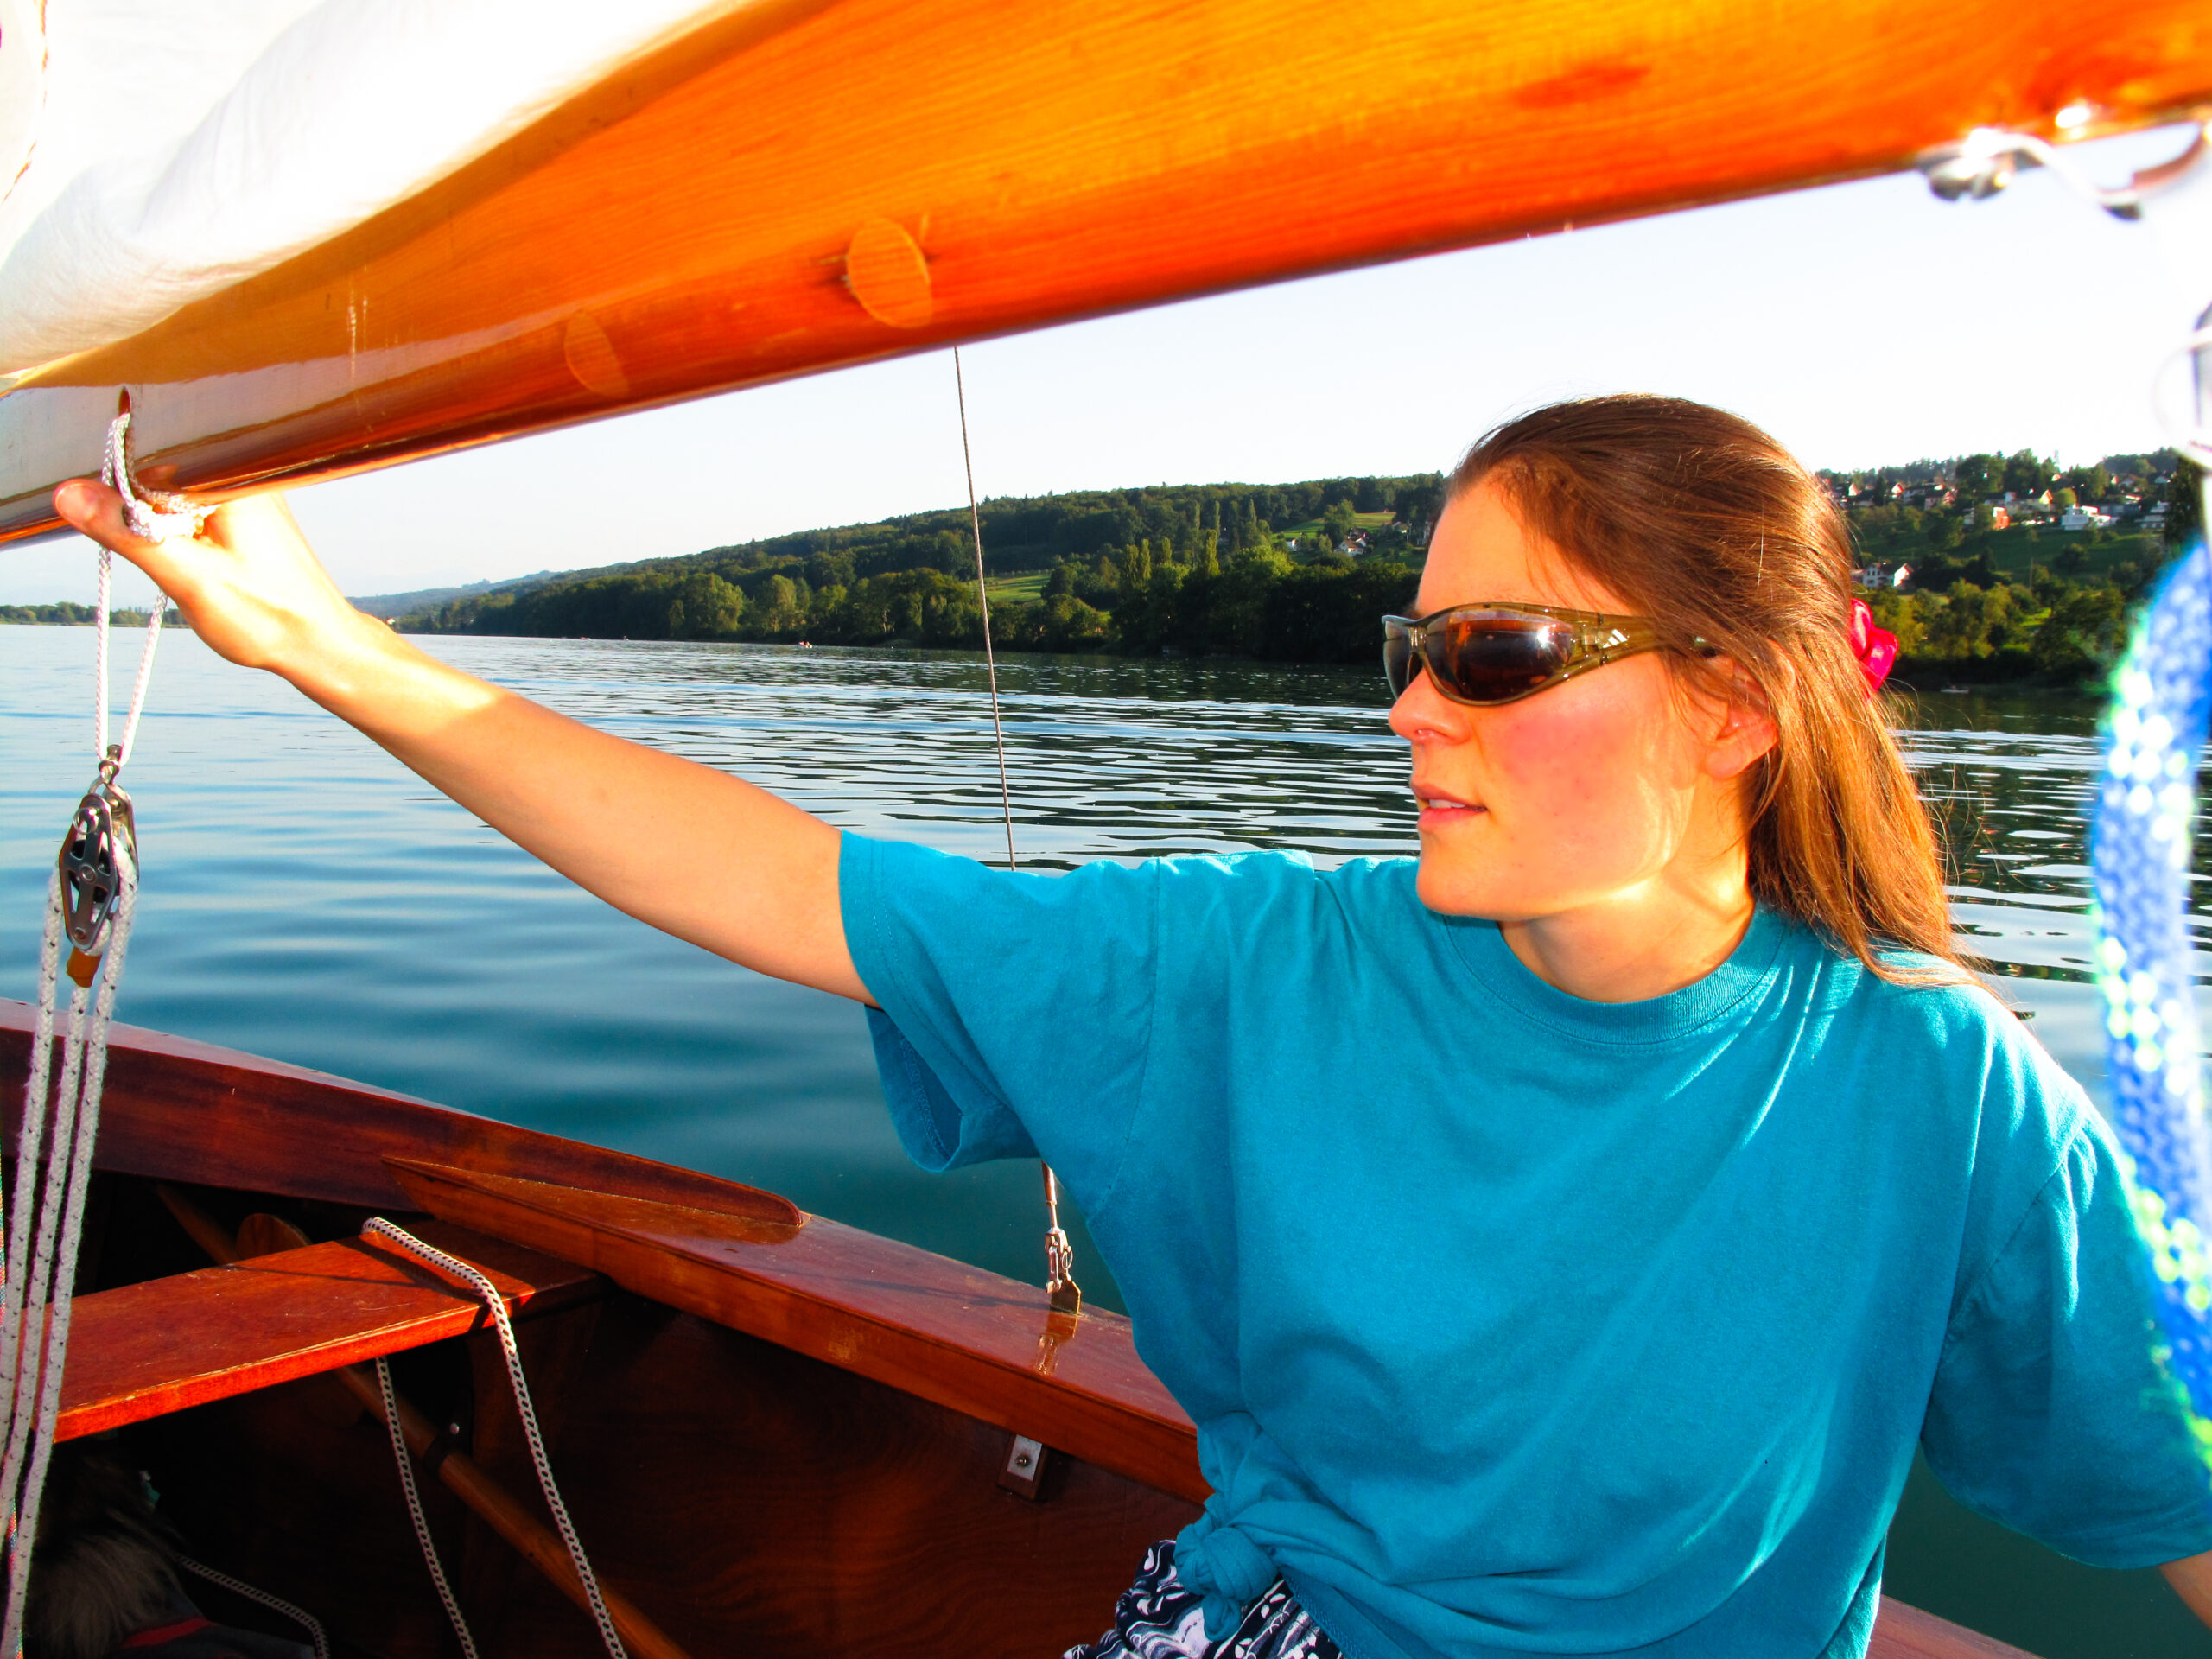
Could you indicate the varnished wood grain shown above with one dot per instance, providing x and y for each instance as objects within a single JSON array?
[
  {"x": 151, "y": 1349},
  {"x": 764, "y": 1503},
  {"x": 1902, "y": 1632},
  {"x": 179, "y": 1111},
  {"x": 949, "y": 1333},
  {"x": 737, "y": 211}
]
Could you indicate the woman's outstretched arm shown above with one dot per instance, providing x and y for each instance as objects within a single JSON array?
[
  {"x": 693, "y": 851},
  {"x": 2191, "y": 1579}
]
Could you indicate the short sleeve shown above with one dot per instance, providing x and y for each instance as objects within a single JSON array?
[
  {"x": 1014, "y": 1009},
  {"x": 2051, "y": 1412}
]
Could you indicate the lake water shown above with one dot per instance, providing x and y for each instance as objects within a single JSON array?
[{"x": 306, "y": 898}]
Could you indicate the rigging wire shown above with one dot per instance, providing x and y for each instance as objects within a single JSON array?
[
  {"x": 983, "y": 597},
  {"x": 1059, "y": 1255}
]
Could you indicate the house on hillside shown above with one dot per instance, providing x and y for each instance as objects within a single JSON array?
[{"x": 2083, "y": 518}]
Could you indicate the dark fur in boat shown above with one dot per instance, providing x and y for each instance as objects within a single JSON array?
[
  {"x": 105, "y": 1571},
  {"x": 101, "y": 1572}
]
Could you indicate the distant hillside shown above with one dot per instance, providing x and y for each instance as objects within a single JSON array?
[
  {"x": 1285, "y": 570},
  {"x": 428, "y": 598}
]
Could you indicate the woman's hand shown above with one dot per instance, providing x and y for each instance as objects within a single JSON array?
[
  {"x": 693, "y": 851},
  {"x": 248, "y": 584}
]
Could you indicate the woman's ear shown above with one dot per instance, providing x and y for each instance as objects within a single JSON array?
[{"x": 1745, "y": 730}]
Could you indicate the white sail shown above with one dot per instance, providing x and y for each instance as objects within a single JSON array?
[{"x": 156, "y": 152}]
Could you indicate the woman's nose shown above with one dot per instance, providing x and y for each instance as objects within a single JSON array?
[{"x": 1422, "y": 713}]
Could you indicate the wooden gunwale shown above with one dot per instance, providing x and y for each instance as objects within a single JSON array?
[
  {"x": 982, "y": 1345},
  {"x": 811, "y": 183}
]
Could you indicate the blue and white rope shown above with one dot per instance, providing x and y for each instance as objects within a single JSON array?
[{"x": 2154, "y": 732}]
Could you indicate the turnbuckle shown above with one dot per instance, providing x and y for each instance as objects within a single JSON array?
[{"x": 1065, "y": 1295}]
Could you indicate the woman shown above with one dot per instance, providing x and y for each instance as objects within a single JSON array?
[{"x": 1561, "y": 1244}]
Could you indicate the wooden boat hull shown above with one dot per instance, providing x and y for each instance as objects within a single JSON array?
[{"x": 777, "y": 1435}]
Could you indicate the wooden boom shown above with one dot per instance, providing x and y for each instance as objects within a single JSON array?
[{"x": 811, "y": 183}]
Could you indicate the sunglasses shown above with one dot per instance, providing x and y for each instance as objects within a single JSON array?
[{"x": 1493, "y": 653}]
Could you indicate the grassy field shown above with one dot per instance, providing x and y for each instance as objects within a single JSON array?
[
  {"x": 1311, "y": 526},
  {"x": 1030, "y": 584},
  {"x": 2011, "y": 551}
]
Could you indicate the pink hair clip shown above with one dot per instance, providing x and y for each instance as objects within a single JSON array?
[{"x": 1876, "y": 648}]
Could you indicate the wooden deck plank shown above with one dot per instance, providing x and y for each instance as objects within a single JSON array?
[{"x": 147, "y": 1350}]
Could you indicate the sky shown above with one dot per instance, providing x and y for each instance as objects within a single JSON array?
[{"x": 1862, "y": 324}]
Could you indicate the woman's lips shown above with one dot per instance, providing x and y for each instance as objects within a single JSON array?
[{"x": 1438, "y": 810}]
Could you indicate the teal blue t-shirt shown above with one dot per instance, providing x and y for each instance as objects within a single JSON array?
[{"x": 1516, "y": 1323}]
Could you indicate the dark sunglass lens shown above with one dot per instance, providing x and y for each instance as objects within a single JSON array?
[
  {"x": 1491, "y": 658},
  {"x": 1397, "y": 658}
]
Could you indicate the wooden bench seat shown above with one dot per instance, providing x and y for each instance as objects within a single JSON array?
[{"x": 150, "y": 1348}]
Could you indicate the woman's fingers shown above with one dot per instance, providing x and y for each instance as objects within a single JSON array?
[
  {"x": 248, "y": 584},
  {"x": 94, "y": 508}
]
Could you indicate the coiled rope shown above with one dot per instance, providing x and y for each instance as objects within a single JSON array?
[
  {"x": 2140, "y": 857},
  {"x": 2154, "y": 733},
  {"x": 376, "y": 1226},
  {"x": 92, "y": 899}
]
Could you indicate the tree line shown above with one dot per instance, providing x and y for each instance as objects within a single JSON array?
[
  {"x": 68, "y": 614},
  {"x": 1302, "y": 571},
  {"x": 1291, "y": 571}
]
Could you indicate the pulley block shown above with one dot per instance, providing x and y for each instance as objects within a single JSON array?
[{"x": 101, "y": 848}]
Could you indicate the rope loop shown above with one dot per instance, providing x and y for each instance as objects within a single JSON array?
[
  {"x": 152, "y": 515},
  {"x": 488, "y": 1294},
  {"x": 300, "y": 1616}
]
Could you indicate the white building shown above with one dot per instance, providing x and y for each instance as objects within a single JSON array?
[{"x": 2083, "y": 518}]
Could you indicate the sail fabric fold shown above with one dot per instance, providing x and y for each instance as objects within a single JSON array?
[{"x": 156, "y": 152}]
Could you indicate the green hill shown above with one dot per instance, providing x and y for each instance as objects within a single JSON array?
[{"x": 1191, "y": 568}]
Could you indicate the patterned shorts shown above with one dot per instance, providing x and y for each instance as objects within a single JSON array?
[{"x": 1159, "y": 1618}]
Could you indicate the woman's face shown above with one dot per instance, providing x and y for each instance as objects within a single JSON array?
[{"x": 1606, "y": 788}]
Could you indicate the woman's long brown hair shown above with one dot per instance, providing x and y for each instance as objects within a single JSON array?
[{"x": 1700, "y": 520}]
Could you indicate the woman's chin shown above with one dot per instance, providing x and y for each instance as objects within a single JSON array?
[{"x": 1449, "y": 886}]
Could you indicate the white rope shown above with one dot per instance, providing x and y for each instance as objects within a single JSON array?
[
  {"x": 489, "y": 1294},
  {"x": 43, "y": 1296},
  {"x": 138, "y": 686},
  {"x": 152, "y": 515},
  {"x": 29, "y": 1145},
  {"x": 415, "y": 1509},
  {"x": 300, "y": 1616},
  {"x": 61, "y": 1126}
]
